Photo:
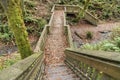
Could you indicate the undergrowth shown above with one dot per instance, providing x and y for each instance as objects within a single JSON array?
[
  {"x": 8, "y": 60},
  {"x": 34, "y": 25},
  {"x": 89, "y": 35},
  {"x": 107, "y": 45},
  {"x": 5, "y": 34},
  {"x": 103, "y": 9}
]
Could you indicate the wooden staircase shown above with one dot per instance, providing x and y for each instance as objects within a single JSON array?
[{"x": 55, "y": 46}]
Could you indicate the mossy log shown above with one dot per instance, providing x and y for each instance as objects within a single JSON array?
[{"x": 14, "y": 15}]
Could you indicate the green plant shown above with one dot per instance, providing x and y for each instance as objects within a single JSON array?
[
  {"x": 35, "y": 26},
  {"x": 30, "y": 19},
  {"x": 107, "y": 45},
  {"x": 72, "y": 19},
  {"x": 115, "y": 33},
  {"x": 89, "y": 35},
  {"x": 87, "y": 46},
  {"x": 5, "y": 34},
  {"x": 6, "y": 61},
  {"x": 117, "y": 41},
  {"x": 41, "y": 23},
  {"x": 29, "y": 4}
]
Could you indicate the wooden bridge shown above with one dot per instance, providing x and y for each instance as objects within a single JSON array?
[{"x": 56, "y": 58}]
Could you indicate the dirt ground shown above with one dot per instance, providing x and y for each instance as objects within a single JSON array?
[{"x": 100, "y": 32}]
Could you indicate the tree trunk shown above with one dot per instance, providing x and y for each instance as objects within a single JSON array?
[{"x": 13, "y": 12}]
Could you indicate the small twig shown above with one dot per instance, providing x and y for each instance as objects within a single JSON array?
[{"x": 78, "y": 35}]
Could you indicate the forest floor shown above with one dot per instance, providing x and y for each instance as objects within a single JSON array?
[{"x": 100, "y": 32}]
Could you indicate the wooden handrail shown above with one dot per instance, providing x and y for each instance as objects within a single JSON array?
[
  {"x": 53, "y": 8},
  {"x": 50, "y": 24},
  {"x": 19, "y": 70},
  {"x": 68, "y": 33},
  {"x": 41, "y": 42},
  {"x": 69, "y": 36},
  {"x": 51, "y": 19},
  {"x": 103, "y": 55},
  {"x": 85, "y": 62},
  {"x": 76, "y": 9}
]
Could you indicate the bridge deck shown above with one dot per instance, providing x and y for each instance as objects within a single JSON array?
[{"x": 54, "y": 51}]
